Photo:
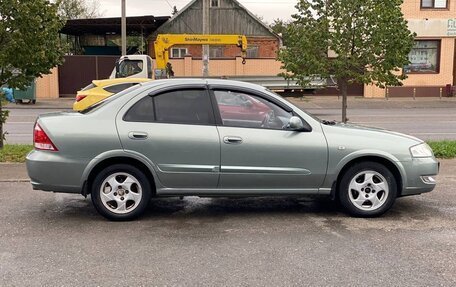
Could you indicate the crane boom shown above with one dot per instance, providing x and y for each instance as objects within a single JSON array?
[{"x": 165, "y": 41}]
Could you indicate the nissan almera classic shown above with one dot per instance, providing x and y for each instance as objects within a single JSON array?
[{"x": 220, "y": 138}]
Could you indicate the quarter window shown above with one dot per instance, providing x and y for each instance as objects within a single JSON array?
[
  {"x": 248, "y": 111},
  {"x": 434, "y": 4},
  {"x": 424, "y": 57}
]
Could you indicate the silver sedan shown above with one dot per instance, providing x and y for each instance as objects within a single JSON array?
[{"x": 191, "y": 137}]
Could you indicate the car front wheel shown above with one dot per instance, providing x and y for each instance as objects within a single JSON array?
[
  {"x": 121, "y": 192},
  {"x": 367, "y": 189}
]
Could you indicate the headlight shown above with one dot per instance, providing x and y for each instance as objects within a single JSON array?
[{"x": 421, "y": 150}]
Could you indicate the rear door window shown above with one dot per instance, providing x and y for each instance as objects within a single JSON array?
[
  {"x": 176, "y": 107},
  {"x": 184, "y": 107}
]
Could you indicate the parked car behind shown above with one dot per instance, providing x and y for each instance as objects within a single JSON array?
[
  {"x": 99, "y": 90},
  {"x": 172, "y": 138}
]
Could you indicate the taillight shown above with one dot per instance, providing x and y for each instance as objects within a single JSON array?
[
  {"x": 41, "y": 140},
  {"x": 80, "y": 98}
]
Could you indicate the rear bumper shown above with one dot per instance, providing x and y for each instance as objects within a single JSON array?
[
  {"x": 49, "y": 171},
  {"x": 417, "y": 170}
]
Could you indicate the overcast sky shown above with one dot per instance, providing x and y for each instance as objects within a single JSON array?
[{"x": 268, "y": 9}]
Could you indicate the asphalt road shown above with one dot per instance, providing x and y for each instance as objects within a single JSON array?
[
  {"x": 59, "y": 240},
  {"x": 19, "y": 125},
  {"x": 426, "y": 123}
]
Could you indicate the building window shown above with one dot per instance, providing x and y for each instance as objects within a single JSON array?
[
  {"x": 253, "y": 52},
  {"x": 215, "y": 52},
  {"x": 434, "y": 4},
  {"x": 424, "y": 57},
  {"x": 178, "y": 52},
  {"x": 215, "y": 3}
]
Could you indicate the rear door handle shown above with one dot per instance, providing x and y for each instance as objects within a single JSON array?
[
  {"x": 138, "y": 135},
  {"x": 232, "y": 140}
]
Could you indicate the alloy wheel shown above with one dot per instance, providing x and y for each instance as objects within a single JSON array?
[
  {"x": 121, "y": 193},
  {"x": 368, "y": 190}
]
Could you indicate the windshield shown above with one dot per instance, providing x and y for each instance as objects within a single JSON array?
[
  {"x": 129, "y": 68},
  {"x": 108, "y": 100}
]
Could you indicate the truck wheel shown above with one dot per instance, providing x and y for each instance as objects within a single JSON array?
[
  {"x": 121, "y": 192},
  {"x": 367, "y": 189}
]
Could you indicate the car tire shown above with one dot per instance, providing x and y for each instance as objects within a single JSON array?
[
  {"x": 121, "y": 192},
  {"x": 367, "y": 189}
]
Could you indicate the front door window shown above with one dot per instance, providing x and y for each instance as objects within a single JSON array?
[{"x": 239, "y": 109}]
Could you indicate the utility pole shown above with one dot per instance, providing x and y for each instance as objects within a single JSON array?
[
  {"x": 206, "y": 30},
  {"x": 124, "y": 29}
]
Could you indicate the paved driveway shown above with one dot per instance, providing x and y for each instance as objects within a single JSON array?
[{"x": 56, "y": 239}]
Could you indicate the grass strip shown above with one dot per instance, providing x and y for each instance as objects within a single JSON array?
[
  {"x": 15, "y": 152},
  {"x": 443, "y": 149}
]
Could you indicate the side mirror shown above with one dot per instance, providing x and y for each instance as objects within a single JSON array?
[{"x": 295, "y": 124}]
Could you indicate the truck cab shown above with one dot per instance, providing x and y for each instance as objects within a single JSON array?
[{"x": 133, "y": 66}]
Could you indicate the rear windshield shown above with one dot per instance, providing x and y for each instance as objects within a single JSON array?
[{"x": 96, "y": 106}]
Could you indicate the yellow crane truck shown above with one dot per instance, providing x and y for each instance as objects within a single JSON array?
[{"x": 140, "y": 66}]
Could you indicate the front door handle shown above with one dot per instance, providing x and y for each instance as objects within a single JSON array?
[
  {"x": 232, "y": 140},
  {"x": 138, "y": 135}
]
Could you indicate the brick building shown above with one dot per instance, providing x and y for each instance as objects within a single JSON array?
[
  {"x": 433, "y": 58},
  {"x": 226, "y": 17}
]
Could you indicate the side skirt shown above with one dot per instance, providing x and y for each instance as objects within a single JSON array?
[{"x": 239, "y": 192}]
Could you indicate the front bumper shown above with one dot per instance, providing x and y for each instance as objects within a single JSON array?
[
  {"x": 419, "y": 175},
  {"x": 49, "y": 171}
]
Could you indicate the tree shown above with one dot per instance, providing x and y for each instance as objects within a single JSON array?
[
  {"x": 79, "y": 9},
  {"x": 29, "y": 44},
  {"x": 357, "y": 41},
  {"x": 279, "y": 26}
]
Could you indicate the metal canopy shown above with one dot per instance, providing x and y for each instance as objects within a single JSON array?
[{"x": 102, "y": 26}]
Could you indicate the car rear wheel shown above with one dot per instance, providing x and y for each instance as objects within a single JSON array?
[
  {"x": 121, "y": 192},
  {"x": 367, "y": 189}
]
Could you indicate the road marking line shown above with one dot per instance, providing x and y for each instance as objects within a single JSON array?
[
  {"x": 10, "y": 123},
  {"x": 15, "y": 180}
]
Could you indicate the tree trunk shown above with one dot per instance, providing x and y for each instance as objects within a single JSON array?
[{"x": 343, "y": 85}]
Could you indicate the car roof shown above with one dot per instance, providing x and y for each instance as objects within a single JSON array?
[
  {"x": 107, "y": 82},
  {"x": 200, "y": 81}
]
